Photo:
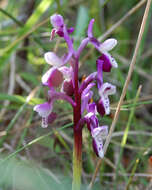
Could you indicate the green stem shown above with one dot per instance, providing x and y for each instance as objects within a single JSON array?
[
  {"x": 77, "y": 160},
  {"x": 77, "y": 149}
]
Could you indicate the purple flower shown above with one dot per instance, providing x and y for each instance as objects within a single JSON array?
[
  {"x": 58, "y": 24},
  {"x": 85, "y": 97},
  {"x": 63, "y": 82},
  {"x": 55, "y": 75},
  {"x": 44, "y": 111},
  {"x": 99, "y": 134},
  {"x": 103, "y": 106},
  {"x": 106, "y": 59}
]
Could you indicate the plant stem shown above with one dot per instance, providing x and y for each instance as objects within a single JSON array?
[
  {"x": 77, "y": 160},
  {"x": 77, "y": 149}
]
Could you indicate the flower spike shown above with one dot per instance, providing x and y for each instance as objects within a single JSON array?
[{"x": 63, "y": 83}]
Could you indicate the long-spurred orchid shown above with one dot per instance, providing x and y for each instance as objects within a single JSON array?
[
  {"x": 58, "y": 73},
  {"x": 107, "y": 60},
  {"x": 98, "y": 133},
  {"x": 79, "y": 95},
  {"x": 45, "y": 111},
  {"x": 103, "y": 106}
]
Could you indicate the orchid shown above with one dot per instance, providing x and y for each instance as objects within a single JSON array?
[{"x": 63, "y": 83}]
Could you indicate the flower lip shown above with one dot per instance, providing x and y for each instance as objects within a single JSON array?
[
  {"x": 107, "y": 89},
  {"x": 101, "y": 108},
  {"x": 111, "y": 59},
  {"x": 100, "y": 132},
  {"x": 67, "y": 87},
  {"x": 98, "y": 148},
  {"x": 107, "y": 62},
  {"x": 57, "y": 21},
  {"x": 52, "y": 117},
  {"x": 52, "y": 78},
  {"x": 103, "y": 64}
]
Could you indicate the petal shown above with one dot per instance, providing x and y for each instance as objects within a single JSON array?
[
  {"x": 44, "y": 122},
  {"x": 60, "y": 33},
  {"x": 52, "y": 59},
  {"x": 98, "y": 148},
  {"x": 85, "y": 101},
  {"x": 101, "y": 108},
  {"x": 67, "y": 72},
  {"x": 99, "y": 72},
  {"x": 53, "y": 77},
  {"x": 107, "y": 89},
  {"x": 100, "y": 133},
  {"x": 52, "y": 117},
  {"x": 103, "y": 64},
  {"x": 53, "y": 32},
  {"x": 87, "y": 89},
  {"x": 57, "y": 20},
  {"x": 43, "y": 109},
  {"x": 108, "y": 45},
  {"x": 86, "y": 97},
  {"x": 47, "y": 75},
  {"x": 92, "y": 108},
  {"x": 90, "y": 28},
  {"x": 92, "y": 121},
  {"x": 70, "y": 30},
  {"x": 49, "y": 119},
  {"x": 67, "y": 87},
  {"x": 111, "y": 59}
]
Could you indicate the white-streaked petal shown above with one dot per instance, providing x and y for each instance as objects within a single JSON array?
[
  {"x": 108, "y": 45},
  {"x": 112, "y": 60},
  {"x": 89, "y": 115},
  {"x": 46, "y": 76},
  {"x": 44, "y": 122},
  {"x": 101, "y": 153},
  {"x": 107, "y": 89},
  {"x": 106, "y": 104},
  {"x": 52, "y": 59},
  {"x": 100, "y": 132},
  {"x": 43, "y": 109},
  {"x": 98, "y": 145}
]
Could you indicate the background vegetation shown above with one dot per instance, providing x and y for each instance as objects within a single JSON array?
[{"x": 34, "y": 158}]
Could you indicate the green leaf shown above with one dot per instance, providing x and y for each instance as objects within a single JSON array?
[
  {"x": 42, "y": 7},
  {"x": 30, "y": 77},
  {"x": 20, "y": 99},
  {"x": 82, "y": 22}
]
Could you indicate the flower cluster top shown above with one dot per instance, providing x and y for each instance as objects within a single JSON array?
[{"x": 65, "y": 78}]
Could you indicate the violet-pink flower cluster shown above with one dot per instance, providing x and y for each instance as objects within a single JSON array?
[{"x": 62, "y": 75}]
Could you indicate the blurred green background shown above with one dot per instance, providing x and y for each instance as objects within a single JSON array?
[{"x": 34, "y": 158}]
